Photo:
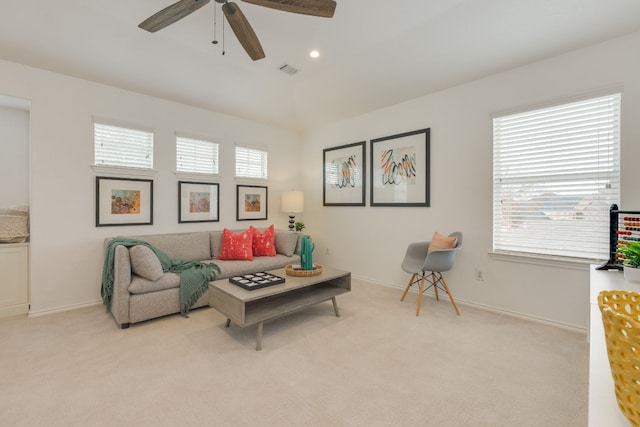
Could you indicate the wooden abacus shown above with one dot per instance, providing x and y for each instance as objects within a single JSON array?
[{"x": 624, "y": 227}]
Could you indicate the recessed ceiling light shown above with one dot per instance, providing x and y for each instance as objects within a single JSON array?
[{"x": 314, "y": 53}]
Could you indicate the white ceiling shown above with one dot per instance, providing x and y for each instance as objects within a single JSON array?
[{"x": 375, "y": 53}]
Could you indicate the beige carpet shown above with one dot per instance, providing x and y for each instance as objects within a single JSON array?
[{"x": 377, "y": 365}]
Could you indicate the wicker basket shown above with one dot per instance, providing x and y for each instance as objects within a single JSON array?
[
  {"x": 303, "y": 273},
  {"x": 621, "y": 318}
]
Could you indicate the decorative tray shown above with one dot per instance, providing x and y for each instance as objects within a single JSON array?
[
  {"x": 296, "y": 270},
  {"x": 256, "y": 280}
]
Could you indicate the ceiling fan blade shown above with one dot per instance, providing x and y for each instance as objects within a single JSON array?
[
  {"x": 171, "y": 14},
  {"x": 243, "y": 31},
  {"x": 321, "y": 8}
]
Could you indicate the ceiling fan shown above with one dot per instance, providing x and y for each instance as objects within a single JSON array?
[{"x": 239, "y": 24}]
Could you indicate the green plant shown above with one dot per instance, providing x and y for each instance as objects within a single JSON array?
[
  {"x": 631, "y": 254},
  {"x": 299, "y": 225}
]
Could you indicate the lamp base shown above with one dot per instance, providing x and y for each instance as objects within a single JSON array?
[{"x": 292, "y": 222}]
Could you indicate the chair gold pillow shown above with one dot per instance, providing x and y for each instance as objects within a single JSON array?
[{"x": 438, "y": 241}]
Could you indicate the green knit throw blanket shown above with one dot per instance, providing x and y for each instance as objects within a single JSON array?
[{"x": 194, "y": 275}]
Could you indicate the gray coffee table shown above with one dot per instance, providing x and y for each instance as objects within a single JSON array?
[{"x": 246, "y": 308}]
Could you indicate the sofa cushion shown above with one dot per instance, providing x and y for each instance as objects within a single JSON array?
[
  {"x": 140, "y": 285},
  {"x": 145, "y": 263},
  {"x": 263, "y": 243},
  {"x": 192, "y": 246},
  {"x": 286, "y": 242},
  {"x": 236, "y": 246},
  {"x": 215, "y": 238},
  {"x": 262, "y": 263},
  {"x": 438, "y": 241}
]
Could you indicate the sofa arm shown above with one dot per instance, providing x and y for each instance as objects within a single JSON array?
[{"x": 121, "y": 282}]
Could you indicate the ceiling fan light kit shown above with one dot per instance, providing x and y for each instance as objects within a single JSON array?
[{"x": 238, "y": 22}]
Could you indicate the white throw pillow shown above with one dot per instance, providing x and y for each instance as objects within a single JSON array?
[{"x": 145, "y": 263}]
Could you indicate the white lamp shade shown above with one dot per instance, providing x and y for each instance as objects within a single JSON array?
[{"x": 293, "y": 201}]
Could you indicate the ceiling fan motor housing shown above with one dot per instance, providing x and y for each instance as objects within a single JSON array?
[{"x": 239, "y": 24}]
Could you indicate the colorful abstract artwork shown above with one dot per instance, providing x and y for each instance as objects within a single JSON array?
[
  {"x": 251, "y": 202},
  {"x": 123, "y": 201},
  {"x": 198, "y": 202},
  {"x": 400, "y": 169},
  {"x": 343, "y": 175}
]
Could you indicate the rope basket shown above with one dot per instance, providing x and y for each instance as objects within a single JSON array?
[
  {"x": 303, "y": 273},
  {"x": 621, "y": 318}
]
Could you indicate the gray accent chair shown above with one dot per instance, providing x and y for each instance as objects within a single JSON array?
[{"x": 429, "y": 266}]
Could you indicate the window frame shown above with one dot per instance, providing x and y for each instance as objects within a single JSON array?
[
  {"x": 501, "y": 249},
  {"x": 263, "y": 165},
  {"x": 198, "y": 139},
  {"x": 135, "y": 133}
]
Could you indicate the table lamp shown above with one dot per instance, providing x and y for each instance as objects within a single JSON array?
[{"x": 292, "y": 202}]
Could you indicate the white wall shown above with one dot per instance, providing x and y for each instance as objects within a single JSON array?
[
  {"x": 66, "y": 247},
  {"x": 14, "y": 156},
  {"x": 371, "y": 241}
]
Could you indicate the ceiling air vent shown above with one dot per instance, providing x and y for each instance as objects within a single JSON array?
[{"x": 288, "y": 69}]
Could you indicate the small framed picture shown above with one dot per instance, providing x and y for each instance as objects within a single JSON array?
[
  {"x": 198, "y": 202},
  {"x": 251, "y": 202},
  {"x": 123, "y": 201}
]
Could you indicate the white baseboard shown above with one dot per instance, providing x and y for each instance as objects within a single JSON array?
[
  {"x": 498, "y": 310},
  {"x": 14, "y": 310},
  {"x": 39, "y": 313}
]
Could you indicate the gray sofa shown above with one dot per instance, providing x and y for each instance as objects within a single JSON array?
[{"x": 136, "y": 299}]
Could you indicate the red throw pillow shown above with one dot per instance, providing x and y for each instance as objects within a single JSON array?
[
  {"x": 236, "y": 246},
  {"x": 264, "y": 244}
]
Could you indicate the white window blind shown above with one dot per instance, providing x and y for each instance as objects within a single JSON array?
[
  {"x": 556, "y": 172},
  {"x": 196, "y": 155},
  {"x": 251, "y": 163},
  {"x": 124, "y": 147}
]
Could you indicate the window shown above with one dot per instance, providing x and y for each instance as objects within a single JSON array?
[
  {"x": 556, "y": 172},
  {"x": 251, "y": 163},
  {"x": 196, "y": 155},
  {"x": 124, "y": 147}
]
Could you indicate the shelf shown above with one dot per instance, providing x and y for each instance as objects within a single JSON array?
[{"x": 284, "y": 304}]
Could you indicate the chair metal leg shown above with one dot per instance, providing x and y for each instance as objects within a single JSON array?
[
  {"x": 420, "y": 295},
  {"x": 408, "y": 286},
  {"x": 444, "y": 282}
]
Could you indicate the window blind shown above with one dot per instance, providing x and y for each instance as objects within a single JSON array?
[
  {"x": 251, "y": 163},
  {"x": 196, "y": 155},
  {"x": 556, "y": 172},
  {"x": 125, "y": 147}
]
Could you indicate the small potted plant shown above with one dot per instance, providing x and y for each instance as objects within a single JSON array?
[
  {"x": 299, "y": 226},
  {"x": 631, "y": 261}
]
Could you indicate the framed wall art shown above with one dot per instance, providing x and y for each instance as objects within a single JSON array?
[
  {"x": 198, "y": 202},
  {"x": 251, "y": 201},
  {"x": 123, "y": 201},
  {"x": 343, "y": 175},
  {"x": 400, "y": 169}
]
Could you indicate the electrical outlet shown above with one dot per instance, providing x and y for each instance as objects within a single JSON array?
[{"x": 479, "y": 275}]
